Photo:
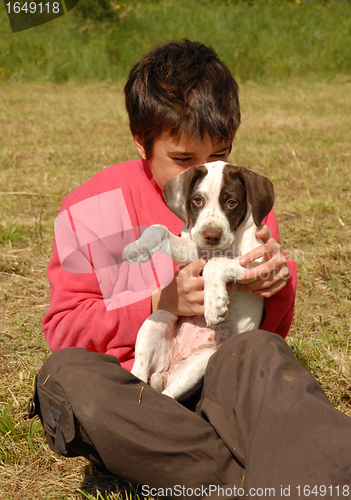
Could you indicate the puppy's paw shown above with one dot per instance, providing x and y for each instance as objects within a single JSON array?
[
  {"x": 134, "y": 252},
  {"x": 139, "y": 372},
  {"x": 157, "y": 382},
  {"x": 153, "y": 239},
  {"x": 168, "y": 393},
  {"x": 216, "y": 308}
]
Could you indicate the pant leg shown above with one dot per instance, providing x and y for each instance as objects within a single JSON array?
[
  {"x": 276, "y": 419},
  {"x": 92, "y": 407}
]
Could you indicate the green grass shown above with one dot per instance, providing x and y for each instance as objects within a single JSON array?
[
  {"x": 82, "y": 129},
  {"x": 16, "y": 436},
  {"x": 259, "y": 40},
  {"x": 11, "y": 232}
]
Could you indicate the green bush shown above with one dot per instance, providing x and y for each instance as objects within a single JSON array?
[{"x": 258, "y": 39}]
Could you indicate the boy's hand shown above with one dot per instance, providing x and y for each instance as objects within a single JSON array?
[
  {"x": 184, "y": 296},
  {"x": 271, "y": 276}
]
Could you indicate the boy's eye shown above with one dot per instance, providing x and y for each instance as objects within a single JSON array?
[
  {"x": 181, "y": 160},
  {"x": 221, "y": 155}
]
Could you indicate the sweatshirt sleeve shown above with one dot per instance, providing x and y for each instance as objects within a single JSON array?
[{"x": 279, "y": 309}]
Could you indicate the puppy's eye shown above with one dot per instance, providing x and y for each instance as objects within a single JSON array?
[
  {"x": 198, "y": 202},
  {"x": 231, "y": 204}
]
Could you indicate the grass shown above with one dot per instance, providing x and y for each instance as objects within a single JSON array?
[
  {"x": 259, "y": 40},
  {"x": 297, "y": 134}
]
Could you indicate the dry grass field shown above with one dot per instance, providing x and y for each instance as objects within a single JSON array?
[{"x": 56, "y": 137}]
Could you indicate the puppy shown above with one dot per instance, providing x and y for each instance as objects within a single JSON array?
[{"x": 221, "y": 206}]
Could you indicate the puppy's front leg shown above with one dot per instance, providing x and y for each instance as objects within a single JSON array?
[
  {"x": 158, "y": 238},
  {"x": 217, "y": 273}
]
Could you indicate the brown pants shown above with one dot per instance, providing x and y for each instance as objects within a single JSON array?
[{"x": 262, "y": 426}]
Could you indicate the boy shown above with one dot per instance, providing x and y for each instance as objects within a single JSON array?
[{"x": 184, "y": 111}]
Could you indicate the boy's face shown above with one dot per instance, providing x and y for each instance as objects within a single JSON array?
[{"x": 172, "y": 155}]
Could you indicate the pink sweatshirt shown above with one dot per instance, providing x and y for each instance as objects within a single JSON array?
[{"x": 98, "y": 301}]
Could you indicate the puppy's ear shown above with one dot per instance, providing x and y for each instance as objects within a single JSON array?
[
  {"x": 260, "y": 193},
  {"x": 177, "y": 191}
]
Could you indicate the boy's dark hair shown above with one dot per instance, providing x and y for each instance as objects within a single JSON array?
[{"x": 184, "y": 88}]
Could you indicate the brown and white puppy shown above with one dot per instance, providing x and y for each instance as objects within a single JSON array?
[{"x": 221, "y": 205}]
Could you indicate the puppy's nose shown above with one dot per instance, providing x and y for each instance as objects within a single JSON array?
[{"x": 212, "y": 236}]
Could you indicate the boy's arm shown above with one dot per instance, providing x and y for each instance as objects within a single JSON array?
[
  {"x": 279, "y": 304},
  {"x": 279, "y": 309}
]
